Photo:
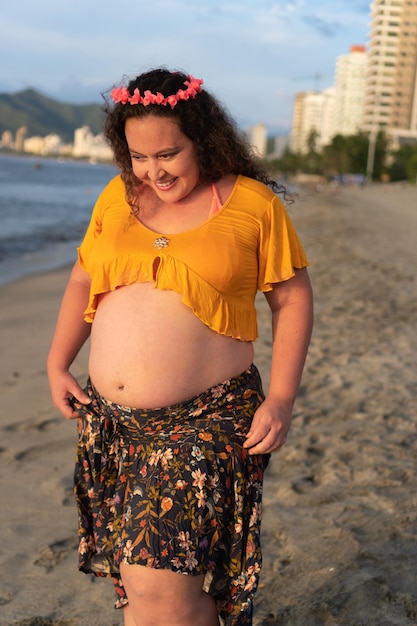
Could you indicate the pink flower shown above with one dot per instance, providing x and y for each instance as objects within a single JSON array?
[
  {"x": 194, "y": 85},
  {"x": 143, "y": 554},
  {"x": 159, "y": 99},
  {"x": 136, "y": 98},
  {"x": 120, "y": 94},
  {"x": 182, "y": 95},
  {"x": 148, "y": 98},
  {"x": 172, "y": 101}
]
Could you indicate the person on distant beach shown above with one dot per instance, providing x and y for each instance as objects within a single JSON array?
[{"x": 174, "y": 429}]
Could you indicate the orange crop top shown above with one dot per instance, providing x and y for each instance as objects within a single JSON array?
[{"x": 249, "y": 243}]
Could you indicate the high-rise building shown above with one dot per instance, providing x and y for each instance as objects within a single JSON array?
[
  {"x": 349, "y": 91},
  {"x": 20, "y": 138},
  {"x": 88, "y": 145},
  {"x": 390, "y": 102},
  {"x": 297, "y": 121},
  {"x": 257, "y": 137},
  {"x": 312, "y": 118}
]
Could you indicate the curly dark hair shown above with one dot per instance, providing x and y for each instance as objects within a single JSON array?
[{"x": 221, "y": 148}]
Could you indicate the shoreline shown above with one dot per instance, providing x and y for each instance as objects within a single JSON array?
[
  {"x": 340, "y": 498},
  {"x": 52, "y": 259}
]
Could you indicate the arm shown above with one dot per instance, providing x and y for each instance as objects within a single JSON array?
[
  {"x": 71, "y": 333},
  {"x": 291, "y": 305}
]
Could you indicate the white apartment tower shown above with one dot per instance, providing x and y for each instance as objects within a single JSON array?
[
  {"x": 349, "y": 91},
  {"x": 257, "y": 136},
  {"x": 313, "y": 112},
  {"x": 391, "y": 78}
]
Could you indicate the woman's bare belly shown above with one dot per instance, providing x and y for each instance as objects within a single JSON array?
[{"x": 149, "y": 350}]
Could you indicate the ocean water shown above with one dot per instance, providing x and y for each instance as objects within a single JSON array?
[{"x": 45, "y": 207}]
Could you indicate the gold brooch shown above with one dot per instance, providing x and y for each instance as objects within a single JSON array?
[{"x": 161, "y": 242}]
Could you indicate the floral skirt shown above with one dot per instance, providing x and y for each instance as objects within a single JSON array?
[{"x": 173, "y": 488}]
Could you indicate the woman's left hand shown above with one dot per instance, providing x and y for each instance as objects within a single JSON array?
[{"x": 270, "y": 426}]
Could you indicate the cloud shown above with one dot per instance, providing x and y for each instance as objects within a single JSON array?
[
  {"x": 247, "y": 51},
  {"x": 361, "y": 6},
  {"x": 322, "y": 25}
]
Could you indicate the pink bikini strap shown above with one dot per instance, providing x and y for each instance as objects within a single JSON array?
[{"x": 216, "y": 202}]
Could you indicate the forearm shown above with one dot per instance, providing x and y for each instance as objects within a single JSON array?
[{"x": 292, "y": 328}]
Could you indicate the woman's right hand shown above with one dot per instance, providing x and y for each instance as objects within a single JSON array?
[{"x": 63, "y": 386}]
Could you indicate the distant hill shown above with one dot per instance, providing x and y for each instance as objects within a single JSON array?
[{"x": 43, "y": 116}]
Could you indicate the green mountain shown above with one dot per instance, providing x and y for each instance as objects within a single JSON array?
[{"x": 42, "y": 115}]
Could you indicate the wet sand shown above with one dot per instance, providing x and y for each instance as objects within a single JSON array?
[{"x": 339, "y": 529}]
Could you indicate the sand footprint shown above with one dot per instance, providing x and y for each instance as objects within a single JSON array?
[
  {"x": 6, "y": 596},
  {"x": 33, "y": 453},
  {"x": 49, "y": 556},
  {"x": 304, "y": 484},
  {"x": 41, "y": 423}
]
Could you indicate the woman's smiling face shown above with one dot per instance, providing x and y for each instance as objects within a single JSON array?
[{"x": 162, "y": 156}]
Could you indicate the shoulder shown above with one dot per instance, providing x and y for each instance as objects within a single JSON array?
[
  {"x": 113, "y": 196},
  {"x": 238, "y": 186},
  {"x": 113, "y": 193},
  {"x": 114, "y": 188},
  {"x": 253, "y": 198},
  {"x": 254, "y": 189}
]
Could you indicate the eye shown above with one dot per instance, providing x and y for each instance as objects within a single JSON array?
[{"x": 168, "y": 155}]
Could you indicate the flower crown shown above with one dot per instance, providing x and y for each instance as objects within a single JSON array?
[{"x": 121, "y": 94}]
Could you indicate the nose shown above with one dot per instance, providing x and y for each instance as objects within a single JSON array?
[{"x": 155, "y": 170}]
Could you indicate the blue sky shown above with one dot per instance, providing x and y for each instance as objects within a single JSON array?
[{"x": 254, "y": 55}]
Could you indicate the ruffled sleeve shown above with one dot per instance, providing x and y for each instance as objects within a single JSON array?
[
  {"x": 280, "y": 250},
  {"x": 92, "y": 233}
]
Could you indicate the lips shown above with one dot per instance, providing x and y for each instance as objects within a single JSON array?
[{"x": 166, "y": 185}]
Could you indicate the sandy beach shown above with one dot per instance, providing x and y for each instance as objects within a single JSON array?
[{"x": 340, "y": 499}]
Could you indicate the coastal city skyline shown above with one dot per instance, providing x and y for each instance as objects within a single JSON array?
[
  {"x": 254, "y": 56},
  {"x": 372, "y": 90}
]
